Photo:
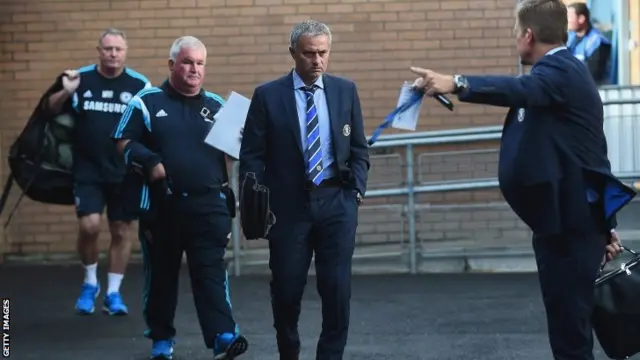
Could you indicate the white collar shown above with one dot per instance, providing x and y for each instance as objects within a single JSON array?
[{"x": 555, "y": 50}]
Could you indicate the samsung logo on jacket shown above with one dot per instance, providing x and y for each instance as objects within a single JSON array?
[{"x": 108, "y": 107}]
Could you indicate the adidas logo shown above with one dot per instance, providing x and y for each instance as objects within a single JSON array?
[
  {"x": 87, "y": 94},
  {"x": 161, "y": 113}
]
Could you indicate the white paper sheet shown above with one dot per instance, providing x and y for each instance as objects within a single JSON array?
[
  {"x": 407, "y": 120},
  {"x": 225, "y": 134}
]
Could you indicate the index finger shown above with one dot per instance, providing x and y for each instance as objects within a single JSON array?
[{"x": 418, "y": 70}]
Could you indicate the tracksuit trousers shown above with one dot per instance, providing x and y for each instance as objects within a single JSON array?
[{"x": 199, "y": 226}]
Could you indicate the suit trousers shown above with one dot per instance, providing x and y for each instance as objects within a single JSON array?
[
  {"x": 326, "y": 227},
  {"x": 568, "y": 265},
  {"x": 200, "y": 227}
]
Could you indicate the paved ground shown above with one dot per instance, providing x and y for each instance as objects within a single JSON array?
[{"x": 439, "y": 317}]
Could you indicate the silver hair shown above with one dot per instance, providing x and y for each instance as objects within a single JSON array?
[
  {"x": 113, "y": 32},
  {"x": 311, "y": 28},
  {"x": 185, "y": 42}
]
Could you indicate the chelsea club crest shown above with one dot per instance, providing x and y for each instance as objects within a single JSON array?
[
  {"x": 346, "y": 130},
  {"x": 125, "y": 97}
]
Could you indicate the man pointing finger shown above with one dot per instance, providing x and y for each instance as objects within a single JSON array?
[{"x": 432, "y": 82}]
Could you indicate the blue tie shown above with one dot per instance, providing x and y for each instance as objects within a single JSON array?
[{"x": 314, "y": 150}]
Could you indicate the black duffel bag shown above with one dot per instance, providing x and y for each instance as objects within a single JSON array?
[{"x": 616, "y": 316}]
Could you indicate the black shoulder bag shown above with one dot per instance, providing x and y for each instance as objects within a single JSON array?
[{"x": 616, "y": 315}]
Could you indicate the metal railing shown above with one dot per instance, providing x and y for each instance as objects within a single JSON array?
[
  {"x": 621, "y": 127},
  {"x": 410, "y": 187}
]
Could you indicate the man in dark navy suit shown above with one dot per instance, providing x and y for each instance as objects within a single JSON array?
[
  {"x": 553, "y": 170},
  {"x": 304, "y": 140}
]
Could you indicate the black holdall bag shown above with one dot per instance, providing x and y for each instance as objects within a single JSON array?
[
  {"x": 256, "y": 217},
  {"x": 616, "y": 315},
  {"x": 40, "y": 158}
]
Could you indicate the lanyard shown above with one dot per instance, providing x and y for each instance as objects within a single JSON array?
[{"x": 413, "y": 100}]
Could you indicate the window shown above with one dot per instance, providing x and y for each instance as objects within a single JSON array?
[{"x": 619, "y": 21}]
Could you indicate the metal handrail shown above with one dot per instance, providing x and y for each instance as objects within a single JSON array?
[
  {"x": 618, "y": 87},
  {"x": 439, "y": 133},
  {"x": 610, "y": 102},
  {"x": 439, "y": 186},
  {"x": 452, "y": 139}
]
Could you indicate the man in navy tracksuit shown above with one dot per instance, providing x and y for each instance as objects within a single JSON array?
[
  {"x": 161, "y": 134},
  {"x": 99, "y": 95},
  {"x": 553, "y": 171}
]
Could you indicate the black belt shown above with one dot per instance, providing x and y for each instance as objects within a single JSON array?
[
  {"x": 202, "y": 191},
  {"x": 326, "y": 183}
]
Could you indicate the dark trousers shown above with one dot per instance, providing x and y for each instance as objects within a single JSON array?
[
  {"x": 327, "y": 228},
  {"x": 568, "y": 266},
  {"x": 200, "y": 227}
]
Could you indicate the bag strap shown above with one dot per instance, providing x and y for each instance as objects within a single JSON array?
[
  {"x": 5, "y": 192},
  {"x": 9, "y": 184},
  {"x": 5, "y": 195}
]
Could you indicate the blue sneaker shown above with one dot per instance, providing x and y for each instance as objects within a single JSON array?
[
  {"x": 162, "y": 350},
  {"x": 113, "y": 305},
  {"x": 86, "y": 303},
  {"x": 228, "y": 346}
]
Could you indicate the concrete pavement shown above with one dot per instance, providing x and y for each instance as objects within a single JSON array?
[{"x": 424, "y": 317}]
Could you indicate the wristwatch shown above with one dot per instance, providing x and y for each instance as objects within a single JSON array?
[
  {"x": 461, "y": 84},
  {"x": 358, "y": 197}
]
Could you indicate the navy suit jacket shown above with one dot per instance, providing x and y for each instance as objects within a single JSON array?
[
  {"x": 272, "y": 148},
  {"x": 553, "y": 158}
]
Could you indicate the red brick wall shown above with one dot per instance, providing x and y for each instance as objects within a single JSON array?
[{"x": 375, "y": 42}]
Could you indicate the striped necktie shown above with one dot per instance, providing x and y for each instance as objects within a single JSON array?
[{"x": 314, "y": 150}]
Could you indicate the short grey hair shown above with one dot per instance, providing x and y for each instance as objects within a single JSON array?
[
  {"x": 112, "y": 32},
  {"x": 311, "y": 28},
  {"x": 185, "y": 42}
]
